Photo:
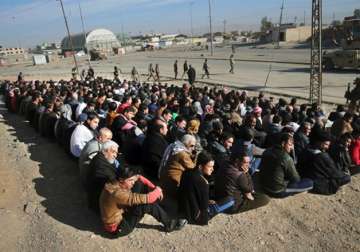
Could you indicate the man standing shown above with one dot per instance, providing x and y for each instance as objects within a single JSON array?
[
  {"x": 232, "y": 63},
  {"x": 135, "y": 75},
  {"x": 206, "y": 70},
  {"x": 157, "y": 72},
  {"x": 116, "y": 73},
  {"x": 176, "y": 69},
  {"x": 151, "y": 72},
  {"x": 186, "y": 69},
  {"x": 73, "y": 73},
  {"x": 191, "y": 75}
]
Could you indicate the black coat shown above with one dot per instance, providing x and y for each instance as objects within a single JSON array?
[
  {"x": 191, "y": 75},
  {"x": 321, "y": 168},
  {"x": 193, "y": 194},
  {"x": 153, "y": 149},
  {"x": 101, "y": 172}
]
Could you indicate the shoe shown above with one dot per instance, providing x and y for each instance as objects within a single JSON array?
[
  {"x": 169, "y": 227},
  {"x": 174, "y": 225},
  {"x": 180, "y": 224}
]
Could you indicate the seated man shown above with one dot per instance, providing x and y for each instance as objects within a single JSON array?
[
  {"x": 193, "y": 193},
  {"x": 233, "y": 181},
  {"x": 102, "y": 169},
  {"x": 154, "y": 147},
  {"x": 315, "y": 163},
  {"x": 83, "y": 133},
  {"x": 339, "y": 152},
  {"x": 178, "y": 157},
  {"x": 90, "y": 150},
  {"x": 278, "y": 175},
  {"x": 122, "y": 208}
]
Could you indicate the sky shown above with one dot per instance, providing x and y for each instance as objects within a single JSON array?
[{"x": 27, "y": 23}]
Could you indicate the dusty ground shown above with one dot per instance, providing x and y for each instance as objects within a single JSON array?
[{"x": 43, "y": 208}]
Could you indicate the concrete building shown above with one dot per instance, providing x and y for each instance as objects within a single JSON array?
[
  {"x": 288, "y": 33},
  {"x": 99, "y": 39},
  {"x": 11, "y": 51}
]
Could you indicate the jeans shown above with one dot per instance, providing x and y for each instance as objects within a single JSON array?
[
  {"x": 217, "y": 208},
  {"x": 293, "y": 188}
]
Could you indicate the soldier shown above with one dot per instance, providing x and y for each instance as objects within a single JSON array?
[
  {"x": 73, "y": 73},
  {"x": 206, "y": 70},
  {"x": 186, "y": 68},
  {"x": 157, "y": 72},
  {"x": 135, "y": 75},
  {"x": 191, "y": 75},
  {"x": 354, "y": 95},
  {"x": 151, "y": 72},
  {"x": 91, "y": 73},
  {"x": 176, "y": 69},
  {"x": 116, "y": 73},
  {"x": 232, "y": 62},
  {"x": 20, "y": 77}
]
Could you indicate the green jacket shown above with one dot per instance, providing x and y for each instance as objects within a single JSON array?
[{"x": 277, "y": 170}]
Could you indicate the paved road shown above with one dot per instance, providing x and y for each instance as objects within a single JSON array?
[{"x": 284, "y": 79}]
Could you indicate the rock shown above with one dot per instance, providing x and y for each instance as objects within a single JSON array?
[
  {"x": 281, "y": 237},
  {"x": 30, "y": 208},
  {"x": 92, "y": 236},
  {"x": 262, "y": 242}
]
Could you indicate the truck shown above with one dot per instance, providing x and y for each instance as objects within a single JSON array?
[{"x": 349, "y": 55}]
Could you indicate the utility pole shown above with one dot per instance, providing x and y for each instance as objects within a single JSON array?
[
  {"x": 224, "y": 25},
  {"x": 70, "y": 39},
  {"x": 279, "y": 30},
  {"x": 316, "y": 53},
  {"x": 191, "y": 23},
  {"x": 304, "y": 18},
  {"x": 83, "y": 28},
  {"x": 211, "y": 33}
]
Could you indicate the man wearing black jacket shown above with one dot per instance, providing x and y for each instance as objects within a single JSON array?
[{"x": 153, "y": 147}]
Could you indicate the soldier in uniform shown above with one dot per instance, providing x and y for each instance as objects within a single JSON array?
[
  {"x": 232, "y": 63},
  {"x": 157, "y": 72},
  {"x": 135, "y": 75},
  {"x": 73, "y": 73},
  {"x": 206, "y": 70},
  {"x": 191, "y": 75},
  {"x": 116, "y": 73},
  {"x": 176, "y": 69},
  {"x": 186, "y": 68},
  {"x": 354, "y": 95},
  {"x": 151, "y": 72}
]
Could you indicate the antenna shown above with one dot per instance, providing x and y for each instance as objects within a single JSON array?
[{"x": 279, "y": 30}]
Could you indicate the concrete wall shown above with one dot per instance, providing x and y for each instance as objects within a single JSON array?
[{"x": 298, "y": 34}]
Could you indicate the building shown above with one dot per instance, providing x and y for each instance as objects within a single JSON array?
[
  {"x": 11, "y": 51},
  {"x": 99, "y": 39},
  {"x": 290, "y": 33}
]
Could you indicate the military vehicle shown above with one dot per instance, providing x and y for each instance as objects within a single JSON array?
[{"x": 349, "y": 56}]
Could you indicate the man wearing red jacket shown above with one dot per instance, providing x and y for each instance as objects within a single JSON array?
[{"x": 122, "y": 208}]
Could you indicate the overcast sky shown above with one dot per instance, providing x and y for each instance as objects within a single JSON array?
[{"x": 27, "y": 23}]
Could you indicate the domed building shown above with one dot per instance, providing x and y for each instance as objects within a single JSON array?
[{"x": 99, "y": 39}]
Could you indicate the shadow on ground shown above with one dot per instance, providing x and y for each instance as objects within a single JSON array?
[{"x": 64, "y": 197}]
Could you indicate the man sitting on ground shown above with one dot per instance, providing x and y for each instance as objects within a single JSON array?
[
  {"x": 90, "y": 150},
  {"x": 278, "y": 175},
  {"x": 83, "y": 133},
  {"x": 122, "y": 207},
  {"x": 233, "y": 181}
]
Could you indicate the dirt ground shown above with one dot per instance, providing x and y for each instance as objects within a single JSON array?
[{"x": 43, "y": 208}]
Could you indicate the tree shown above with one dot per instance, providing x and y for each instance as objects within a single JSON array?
[
  {"x": 357, "y": 13},
  {"x": 265, "y": 24}
]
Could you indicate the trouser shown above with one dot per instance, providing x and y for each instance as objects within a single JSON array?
[
  {"x": 134, "y": 215},
  {"x": 206, "y": 73},
  {"x": 354, "y": 170},
  {"x": 176, "y": 74},
  {"x": 293, "y": 188},
  {"x": 182, "y": 76},
  {"x": 220, "y": 207},
  {"x": 231, "y": 69},
  {"x": 246, "y": 204}
]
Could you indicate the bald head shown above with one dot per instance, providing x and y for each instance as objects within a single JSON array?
[{"x": 104, "y": 135}]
